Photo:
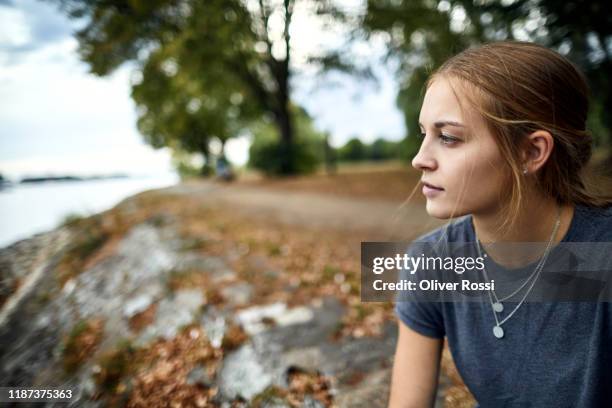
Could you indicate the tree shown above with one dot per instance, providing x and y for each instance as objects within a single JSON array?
[
  {"x": 584, "y": 31},
  {"x": 249, "y": 41},
  {"x": 309, "y": 145},
  {"x": 187, "y": 112},
  {"x": 418, "y": 38},
  {"x": 421, "y": 34},
  {"x": 353, "y": 150},
  {"x": 382, "y": 149}
]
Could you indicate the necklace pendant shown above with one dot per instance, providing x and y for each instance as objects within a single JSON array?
[
  {"x": 498, "y": 332},
  {"x": 498, "y": 307}
]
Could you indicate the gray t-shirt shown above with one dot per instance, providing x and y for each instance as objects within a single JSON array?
[{"x": 553, "y": 354}]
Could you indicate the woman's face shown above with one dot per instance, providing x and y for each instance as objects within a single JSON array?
[{"x": 459, "y": 157}]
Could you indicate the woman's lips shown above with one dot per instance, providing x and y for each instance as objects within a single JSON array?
[{"x": 430, "y": 190}]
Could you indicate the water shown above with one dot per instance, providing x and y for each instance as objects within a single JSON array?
[{"x": 27, "y": 209}]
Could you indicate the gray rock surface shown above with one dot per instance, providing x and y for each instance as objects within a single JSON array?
[{"x": 135, "y": 276}]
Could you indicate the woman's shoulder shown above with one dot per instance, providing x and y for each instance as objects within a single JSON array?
[
  {"x": 596, "y": 212},
  {"x": 592, "y": 224}
]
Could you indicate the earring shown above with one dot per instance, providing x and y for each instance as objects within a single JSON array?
[{"x": 525, "y": 170}]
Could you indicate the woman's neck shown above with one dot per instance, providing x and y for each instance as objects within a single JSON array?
[{"x": 535, "y": 223}]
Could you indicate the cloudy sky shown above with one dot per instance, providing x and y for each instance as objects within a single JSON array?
[{"x": 56, "y": 118}]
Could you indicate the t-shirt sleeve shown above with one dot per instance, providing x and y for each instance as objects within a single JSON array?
[
  {"x": 421, "y": 312},
  {"x": 423, "y": 317}
]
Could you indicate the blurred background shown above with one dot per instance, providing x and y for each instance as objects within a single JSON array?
[{"x": 246, "y": 148}]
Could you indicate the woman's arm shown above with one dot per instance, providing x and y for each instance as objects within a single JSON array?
[{"x": 415, "y": 369}]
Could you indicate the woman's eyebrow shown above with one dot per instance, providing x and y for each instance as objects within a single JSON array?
[{"x": 443, "y": 123}]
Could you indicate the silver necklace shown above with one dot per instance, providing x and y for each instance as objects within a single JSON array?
[{"x": 497, "y": 306}]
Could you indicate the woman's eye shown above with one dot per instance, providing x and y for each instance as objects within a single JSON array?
[{"x": 445, "y": 139}]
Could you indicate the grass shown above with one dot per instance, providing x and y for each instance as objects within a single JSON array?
[{"x": 71, "y": 220}]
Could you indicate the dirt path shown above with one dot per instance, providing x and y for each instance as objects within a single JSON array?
[{"x": 374, "y": 218}]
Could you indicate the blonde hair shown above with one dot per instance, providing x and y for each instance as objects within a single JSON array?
[{"x": 518, "y": 88}]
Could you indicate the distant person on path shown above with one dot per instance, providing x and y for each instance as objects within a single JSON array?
[
  {"x": 224, "y": 170},
  {"x": 504, "y": 147}
]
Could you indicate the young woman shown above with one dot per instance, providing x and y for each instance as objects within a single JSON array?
[{"x": 504, "y": 146}]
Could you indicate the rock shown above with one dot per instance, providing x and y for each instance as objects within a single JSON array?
[
  {"x": 298, "y": 339},
  {"x": 238, "y": 294},
  {"x": 136, "y": 305},
  {"x": 214, "y": 327},
  {"x": 23, "y": 265},
  {"x": 372, "y": 391},
  {"x": 132, "y": 274},
  {"x": 294, "y": 331},
  {"x": 296, "y": 315},
  {"x": 88, "y": 387},
  {"x": 352, "y": 357},
  {"x": 253, "y": 318},
  {"x": 214, "y": 266},
  {"x": 125, "y": 274},
  {"x": 309, "y": 358},
  {"x": 172, "y": 314},
  {"x": 69, "y": 287},
  {"x": 243, "y": 374}
]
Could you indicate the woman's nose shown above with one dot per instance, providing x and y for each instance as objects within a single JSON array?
[{"x": 423, "y": 159}]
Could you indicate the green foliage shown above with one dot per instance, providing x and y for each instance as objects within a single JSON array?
[
  {"x": 207, "y": 67},
  {"x": 266, "y": 151},
  {"x": 353, "y": 150},
  {"x": 596, "y": 125},
  {"x": 380, "y": 149},
  {"x": 185, "y": 111},
  {"x": 189, "y": 165},
  {"x": 408, "y": 148},
  {"x": 186, "y": 170},
  {"x": 71, "y": 220},
  {"x": 266, "y": 154},
  {"x": 421, "y": 35}
]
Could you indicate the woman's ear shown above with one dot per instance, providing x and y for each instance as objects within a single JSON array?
[{"x": 537, "y": 149}]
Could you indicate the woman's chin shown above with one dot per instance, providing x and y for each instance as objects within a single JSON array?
[{"x": 441, "y": 212}]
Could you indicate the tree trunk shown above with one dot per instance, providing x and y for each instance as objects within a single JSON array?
[
  {"x": 222, "y": 152},
  {"x": 284, "y": 119},
  {"x": 287, "y": 161},
  {"x": 329, "y": 155},
  {"x": 206, "y": 170}
]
